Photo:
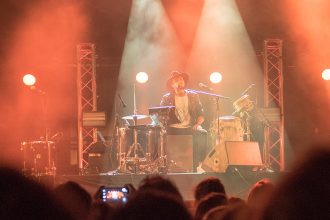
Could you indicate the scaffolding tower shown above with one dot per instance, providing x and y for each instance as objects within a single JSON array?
[
  {"x": 86, "y": 94},
  {"x": 273, "y": 102}
]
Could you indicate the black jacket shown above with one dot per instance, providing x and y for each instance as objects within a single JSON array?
[{"x": 194, "y": 105}]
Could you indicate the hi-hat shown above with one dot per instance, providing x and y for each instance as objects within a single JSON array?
[{"x": 132, "y": 117}]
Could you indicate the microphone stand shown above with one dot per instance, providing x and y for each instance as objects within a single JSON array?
[
  {"x": 209, "y": 94},
  {"x": 218, "y": 97},
  {"x": 118, "y": 140},
  {"x": 247, "y": 89}
]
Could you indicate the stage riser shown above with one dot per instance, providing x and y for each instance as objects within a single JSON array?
[{"x": 234, "y": 184}]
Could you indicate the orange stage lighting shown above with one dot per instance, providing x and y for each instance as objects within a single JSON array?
[
  {"x": 29, "y": 79},
  {"x": 326, "y": 74}
]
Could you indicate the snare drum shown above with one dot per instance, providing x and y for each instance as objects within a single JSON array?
[{"x": 230, "y": 129}]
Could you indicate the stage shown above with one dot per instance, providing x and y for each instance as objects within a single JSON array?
[{"x": 237, "y": 183}]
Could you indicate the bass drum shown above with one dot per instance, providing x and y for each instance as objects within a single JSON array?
[{"x": 230, "y": 129}]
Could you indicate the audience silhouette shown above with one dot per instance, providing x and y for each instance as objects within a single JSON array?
[
  {"x": 302, "y": 193},
  {"x": 23, "y": 198},
  {"x": 76, "y": 199}
]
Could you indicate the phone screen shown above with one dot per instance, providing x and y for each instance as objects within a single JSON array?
[{"x": 115, "y": 194}]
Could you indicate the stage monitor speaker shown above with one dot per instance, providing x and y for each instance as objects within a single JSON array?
[
  {"x": 179, "y": 153},
  {"x": 93, "y": 119},
  {"x": 232, "y": 154},
  {"x": 100, "y": 158}
]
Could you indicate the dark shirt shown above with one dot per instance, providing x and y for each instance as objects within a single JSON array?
[{"x": 195, "y": 107}]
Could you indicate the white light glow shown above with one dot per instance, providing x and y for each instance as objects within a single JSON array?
[
  {"x": 141, "y": 77},
  {"x": 215, "y": 77},
  {"x": 326, "y": 74},
  {"x": 29, "y": 79}
]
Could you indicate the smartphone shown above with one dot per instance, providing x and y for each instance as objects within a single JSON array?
[{"x": 115, "y": 194}]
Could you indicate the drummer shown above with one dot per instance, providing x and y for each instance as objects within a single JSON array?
[{"x": 188, "y": 116}]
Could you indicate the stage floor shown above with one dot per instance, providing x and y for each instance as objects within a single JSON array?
[{"x": 237, "y": 183}]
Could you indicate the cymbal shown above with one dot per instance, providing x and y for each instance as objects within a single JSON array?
[{"x": 132, "y": 117}]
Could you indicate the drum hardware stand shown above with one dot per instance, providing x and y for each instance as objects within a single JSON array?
[
  {"x": 124, "y": 158},
  {"x": 264, "y": 120},
  {"x": 135, "y": 148},
  {"x": 121, "y": 156},
  {"x": 247, "y": 130},
  {"x": 243, "y": 106},
  {"x": 162, "y": 168},
  {"x": 162, "y": 115}
]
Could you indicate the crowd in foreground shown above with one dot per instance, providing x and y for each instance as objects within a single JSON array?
[{"x": 302, "y": 193}]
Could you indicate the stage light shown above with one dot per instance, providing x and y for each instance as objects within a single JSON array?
[
  {"x": 141, "y": 77},
  {"x": 215, "y": 77},
  {"x": 29, "y": 79},
  {"x": 326, "y": 74}
]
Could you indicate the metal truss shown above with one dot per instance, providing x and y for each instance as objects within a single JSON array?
[
  {"x": 273, "y": 103},
  {"x": 86, "y": 94}
]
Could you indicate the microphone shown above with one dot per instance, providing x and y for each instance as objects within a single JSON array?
[
  {"x": 247, "y": 89},
  {"x": 122, "y": 101},
  {"x": 202, "y": 85}
]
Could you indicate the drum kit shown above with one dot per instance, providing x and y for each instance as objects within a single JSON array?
[
  {"x": 141, "y": 148},
  {"x": 38, "y": 158}
]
